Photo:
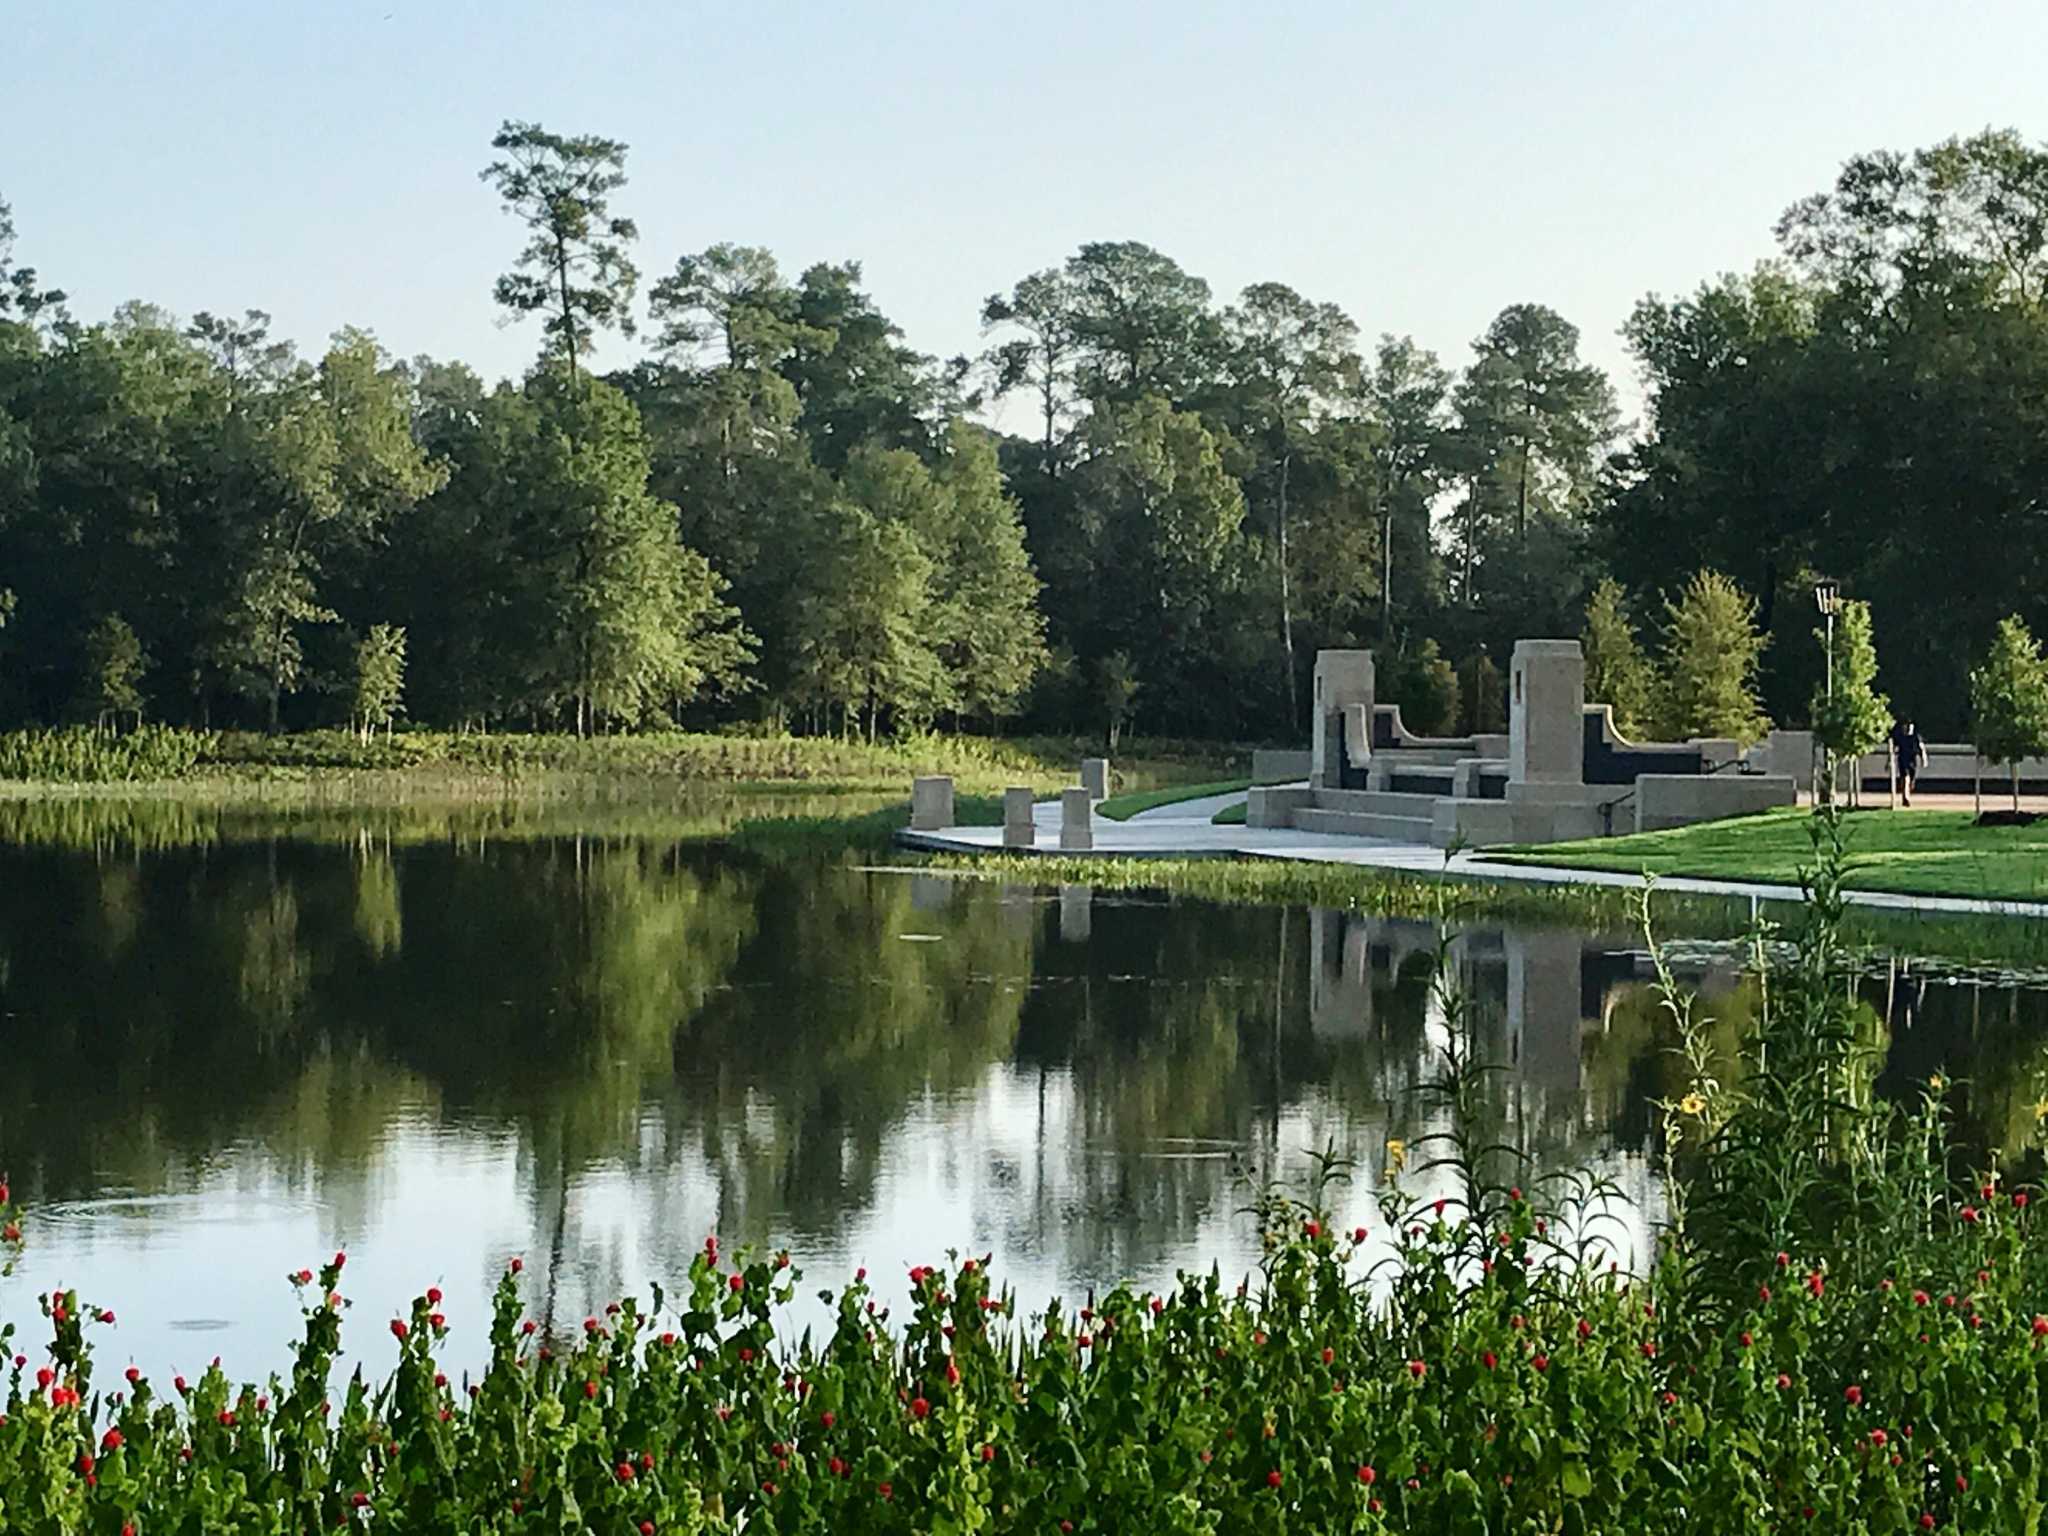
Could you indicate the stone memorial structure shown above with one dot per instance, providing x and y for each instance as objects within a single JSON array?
[
  {"x": 1095, "y": 777},
  {"x": 1019, "y": 829},
  {"x": 1562, "y": 771},
  {"x": 931, "y": 804}
]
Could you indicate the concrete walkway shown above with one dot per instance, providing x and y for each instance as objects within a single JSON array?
[{"x": 1185, "y": 831}]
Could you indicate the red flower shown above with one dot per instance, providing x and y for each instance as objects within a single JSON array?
[
  {"x": 1358, "y": 1234},
  {"x": 1879, "y": 1437},
  {"x": 919, "y": 1408},
  {"x": 360, "y": 1500},
  {"x": 433, "y": 1295},
  {"x": 1585, "y": 1329},
  {"x": 838, "y": 1467},
  {"x": 1784, "y": 1260},
  {"x": 1273, "y": 1479},
  {"x": 436, "y": 1321},
  {"x": 516, "y": 1264},
  {"x": 112, "y": 1441},
  {"x": 1670, "y": 1399},
  {"x": 1367, "y": 1476},
  {"x": 1312, "y": 1229},
  {"x": 340, "y": 1259},
  {"x": 1328, "y": 1354},
  {"x": 988, "y": 1453},
  {"x": 1488, "y": 1360},
  {"x": 1926, "y": 1521},
  {"x": 884, "y": 1490},
  {"x": 952, "y": 1374},
  {"x": 1784, "y": 1382},
  {"x": 133, "y": 1375},
  {"x": 398, "y": 1329},
  {"x": 738, "y": 1281},
  {"x": 826, "y": 1418},
  {"x": 1854, "y": 1395},
  {"x": 1969, "y": 1214},
  {"x": 1745, "y": 1340},
  {"x": 1763, "y": 1293},
  {"x": 711, "y": 1246},
  {"x": 1085, "y": 1341},
  {"x": 86, "y": 1464},
  {"x": 2040, "y": 1326},
  {"x": 1416, "y": 1368},
  {"x": 1541, "y": 1362},
  {"x": 625, "y": 1471},
  {"x": 646, "y": 1528},
  {"x": 590, "y": 1389},
  {"x": 2019, "y": 1202}
]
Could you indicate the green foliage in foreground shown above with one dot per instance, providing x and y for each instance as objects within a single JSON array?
[
  {"x": 1124, "y": 807},
  {"x": 1831, "y": 1336},
  {"x": 1922, "y": 853}
]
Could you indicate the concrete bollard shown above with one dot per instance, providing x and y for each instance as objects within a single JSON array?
[
  {"x": 931, "y": 804},
  {"x": 1019, "y": 830},
  {"x": 1095, "y": 777},
  {"x": 1077, "y": 830}
]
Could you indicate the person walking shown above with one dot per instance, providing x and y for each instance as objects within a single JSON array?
[{"x": 1909, "y": 754}]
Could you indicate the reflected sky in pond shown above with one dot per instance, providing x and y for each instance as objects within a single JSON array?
[{"x": 227, "y": 1050}]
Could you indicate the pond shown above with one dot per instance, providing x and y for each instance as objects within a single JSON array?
[{"x": 230, "y": 1046}]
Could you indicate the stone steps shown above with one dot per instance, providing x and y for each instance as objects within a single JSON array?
[
  {"x": 1382, "y": 824},
  {"x": 1377, "y": 802}
]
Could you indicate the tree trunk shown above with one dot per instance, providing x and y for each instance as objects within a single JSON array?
[
  {"x": 2015, "y": 786},
  {"x": 1977, "y": 792},
  {"x": 1522, "y": 500},
  {"x": 1287, "y": 601},
  {"x": 1471, "y": 533},
  {"x": 568, "y": 311}
]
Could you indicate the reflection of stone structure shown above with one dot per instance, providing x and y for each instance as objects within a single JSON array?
[
  {"x": 1561, "y": 772},
  {"x": 1353, "y": 956},
  {"x": 1076, "y": 914},
  {"x": 1546, "y": 1004}
]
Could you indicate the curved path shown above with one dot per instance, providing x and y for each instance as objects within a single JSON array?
[{"x": 1184, "y": 830}]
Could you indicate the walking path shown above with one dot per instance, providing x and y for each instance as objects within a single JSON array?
[{"x": 1184, "y": 830}]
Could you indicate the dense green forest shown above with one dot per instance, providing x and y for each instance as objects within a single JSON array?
[{"x": 730, "y": 494}]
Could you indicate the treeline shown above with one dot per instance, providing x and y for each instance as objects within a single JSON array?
[{"x": 783, "y": 513}]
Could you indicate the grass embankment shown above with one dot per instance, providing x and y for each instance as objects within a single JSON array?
[
  {"x": 229, "y": 764},
  {"x": 1915, "y": 853},
  {"x": 1124, "y": 807}
]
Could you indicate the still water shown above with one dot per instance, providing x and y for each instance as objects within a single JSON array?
[{"x": 228, "y": 1049}]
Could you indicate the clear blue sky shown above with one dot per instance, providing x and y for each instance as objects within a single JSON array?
[{"x": 1421, "y": 164}]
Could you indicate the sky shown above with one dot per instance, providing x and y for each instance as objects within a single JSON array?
[{"x": 1422, "y": 165}]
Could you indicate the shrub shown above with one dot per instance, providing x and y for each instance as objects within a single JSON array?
[{"x": 84, "y": 756}]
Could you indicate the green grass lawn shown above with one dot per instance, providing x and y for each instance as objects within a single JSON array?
[
  {"x": 1124, "y": 807},
  {"x": 1231, "y": 815},
  {"x": 1919, "y": 853}
]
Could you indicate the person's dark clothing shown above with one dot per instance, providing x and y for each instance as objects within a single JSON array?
[{"x": 1909, "y": 751}]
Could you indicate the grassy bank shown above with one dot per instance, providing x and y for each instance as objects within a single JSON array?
[
  {"x": 443, "y": 763},
  {"x": 1918, "y": 853}
]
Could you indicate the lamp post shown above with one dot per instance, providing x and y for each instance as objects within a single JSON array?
[{"x": 1827, "y": 596}]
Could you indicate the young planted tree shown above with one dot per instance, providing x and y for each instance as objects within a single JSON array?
[
  {"x": 1425, "y": 684},
  {"x": 1851, "y": 717},
  {"x": 1711, "y": 652},
  {"x": 2009, "y": 702},
  {"x": 379, "y": 681},
  {"x": 110, "y": 684},
  {"x": 1617, "y": 672},
  {"x": 574, "y": 269},
  {"x": 1116, "y": 691}
]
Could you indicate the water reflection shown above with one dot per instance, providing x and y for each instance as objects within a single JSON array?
[{"x": 226, "y": 1055}]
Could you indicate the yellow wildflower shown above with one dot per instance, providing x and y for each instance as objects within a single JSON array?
[
  {"x": 2040, "y": 1110},
  {"x": 1397, "y": 1154},
  {"x": 1934, "y": 1082},
  {"x": 1692, "y": 1104}
]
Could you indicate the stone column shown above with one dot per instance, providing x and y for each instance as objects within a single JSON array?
[
  {"x": 931, "y": 804},
  {"x": 1343, "y": 678},
  {"x": 1546, "y": 714},
  {"x": 1077, "y": 829},
  {"x": 1095, "y": 777},
  {"x": 1019, "y": 830}
]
